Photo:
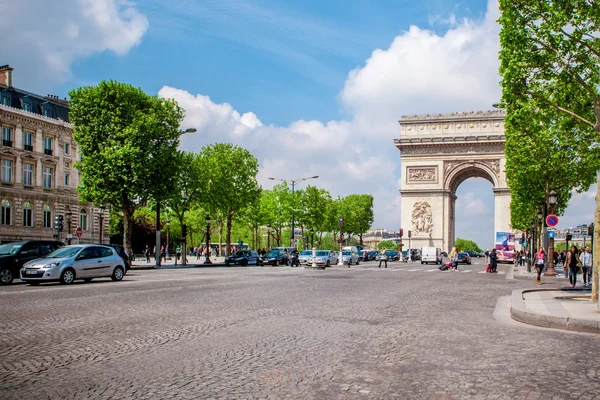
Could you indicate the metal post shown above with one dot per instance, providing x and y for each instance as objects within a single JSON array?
[
  {"x": 268, "y": 236},
  {"x": 314, "y": 258},
  {"x": 207, "y": 259},
  {"x": 157, "y": 255},
  {"x": 341, "y": 224},
  {"x": 293, "y": 227},
  {"x": 184, "y": 248},
  {"x": 69, "y": 215}
]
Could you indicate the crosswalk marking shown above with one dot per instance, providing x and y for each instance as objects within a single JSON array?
[
  {"x": 465, "y": 271},
  {"x": 416, "y": 269},
  {"x": 431, "y": 270}
]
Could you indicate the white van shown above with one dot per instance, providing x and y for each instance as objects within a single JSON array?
[
  {"x": 353, "y": 249},
  {"x": 431, "y": 255}
]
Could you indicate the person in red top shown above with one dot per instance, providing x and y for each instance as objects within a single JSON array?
[{"x": 539, "y": 260}]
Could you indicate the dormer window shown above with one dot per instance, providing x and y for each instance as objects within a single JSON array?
[
  {"x": 27, "y": 104},
  {"x": 5, "y": 99},
  {"x": 46, "y": 110}
]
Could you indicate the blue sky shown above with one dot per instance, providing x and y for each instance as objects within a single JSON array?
[{"x": 310, "y": 87}]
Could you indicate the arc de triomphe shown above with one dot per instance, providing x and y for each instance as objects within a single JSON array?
[{"x": 437, "y": 153}]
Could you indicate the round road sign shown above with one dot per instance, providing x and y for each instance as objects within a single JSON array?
[
  {"x": 551, "y": 220},
  {"x": 79, "y": 231}
]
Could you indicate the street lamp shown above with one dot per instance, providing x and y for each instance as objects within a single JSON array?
[
  {"x": 101, "y": 218},
  {"x": 312, "y": 237},
  {"x": 157, "y": 254},
  {"x": 268, "y": 236},
  {"x": 207, "y": 258},
  {"x": 552, "y": 200},
  {"x": 294, "y": 181},
  {"x": 69, "y": 214},
  {"x": 168, "y": 229}
]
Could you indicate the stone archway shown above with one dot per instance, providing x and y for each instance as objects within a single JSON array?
[{"x": 439, "y": 152}]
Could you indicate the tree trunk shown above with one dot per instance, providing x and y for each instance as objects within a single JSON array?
[
  {"x": 335, "y": 239},
  {"x": 127, "y": 228},
  {"x": 228, "y": 237},
  {"x": 253, "y": 237},
  {"x": 220, "y": 239},
  {"x": 596, "y": 249},
  {"x": 320, "y": 240},
  {"x": 360, "y": 236}
]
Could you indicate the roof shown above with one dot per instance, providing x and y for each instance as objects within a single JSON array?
[{"x": 59, "y": 107}]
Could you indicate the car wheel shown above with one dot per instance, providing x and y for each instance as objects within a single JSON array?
[
  {"x": 88, "y": 280},
  {"x": 422, "y": 263},
  {"x": 349, "y": 262},
  {"x": 327, "y": 265},
  {"x": 358, "y": 262},
  {"x": 6, "y": 276},
  {"x": 67, "y": 277},
  {"x": 117, "y": 274},
  {"x": 277, "y": 263}
]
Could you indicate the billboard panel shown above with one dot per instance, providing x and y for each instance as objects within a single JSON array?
[{"x": 505, "y": 246}]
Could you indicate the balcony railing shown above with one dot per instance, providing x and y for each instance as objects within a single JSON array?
[
  {"x": 48, "y": 152},
  {"x": 7, "y": 143},
  {"x": 27, "y": 147}
]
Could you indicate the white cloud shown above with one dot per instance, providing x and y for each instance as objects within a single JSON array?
[
  {"x": 42, "y": 39},
  {"x": 473, "y": 206}
]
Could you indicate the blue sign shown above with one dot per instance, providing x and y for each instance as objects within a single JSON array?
[
  {"x": 520, "y": 240},
  {"x": 551, "y": 235}
]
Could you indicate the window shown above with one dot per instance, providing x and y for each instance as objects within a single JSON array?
[
  {"x": 5, "y": 100},
  {"x": 67, "y": 179},
  {"x": 47, "y": 216},
  {"x": 27, "y": 141},
  {"x": 48, "y": 145},
  {"x": 67, "y": 149},
  {"x": 7, "y": 170},
  {"x": 5, "y": 213},
  {"x": 6, "y": 136},
  {"x": 105, "y": 252},
  {"x": 26, "y": 104},
  {"x": 83, "y": 219},
  {"x": 48, "y": 177},
  {"x": 28, "y": 174},
  {"x": 46, "y": 111},
  {"x": 67, "y": 165},
  {"x": 27, "y": 214}
]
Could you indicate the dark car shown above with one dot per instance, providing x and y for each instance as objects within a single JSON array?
[
  {"x": 472, "y": 253},
  {"x": 373, "y": 254},
  {"x": 243, "y": 257},
  {"x": 392, "y": 255},
  {"x": 14, "y": 255},
  {"x": 121, "y": 252},
  {"x": 464, "y": 258},
  {"x": 275, "y": 257}
]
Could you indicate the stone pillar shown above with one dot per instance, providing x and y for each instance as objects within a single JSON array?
[
  {"x": 19, "y": 170},
  {"x": 39, "y": 141},
  {"x": 19, "y": 137},
  {"x": 38, "y": 173},
  {"x": 501, "y": 211}
]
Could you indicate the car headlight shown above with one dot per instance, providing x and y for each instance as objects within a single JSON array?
[{"x": 52, "y": 265}]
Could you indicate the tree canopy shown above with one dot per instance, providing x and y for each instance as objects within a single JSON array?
[{"x": 466, "y": 244}]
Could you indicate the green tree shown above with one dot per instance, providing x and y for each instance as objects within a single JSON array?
[
  {"x": 466, "y": 244},
  {"x": 232, "y": 185},
  {"x": 550, "y": 59},
  {"x": 388, "y": 244},
  {"x": 277, "y": 206},
  {"x": 128, "y": 141}
]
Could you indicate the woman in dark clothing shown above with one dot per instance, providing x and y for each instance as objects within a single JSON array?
[
  {"x": 572, "y": 263},
  {"x": 539, "y": 260},
  {"x": 493, "y": 261}
]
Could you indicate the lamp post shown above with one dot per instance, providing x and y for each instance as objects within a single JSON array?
[
  {"x": 312, "y": 237},
  {"x": 168, "y": 229},
  {"x": 101, "y": 220},
  {"x": 268, "y": 237},
  {"x": 550, "y": 271},
  {"x": 207, "y": 257},
  {"x": 69, "y": 214},
  {"x": 294, "y": 181}
]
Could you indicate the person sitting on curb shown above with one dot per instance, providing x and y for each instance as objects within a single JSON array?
[{"x": 382, "y": 257}]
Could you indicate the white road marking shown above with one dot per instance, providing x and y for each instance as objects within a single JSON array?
[{"x": 416, "y": 269}]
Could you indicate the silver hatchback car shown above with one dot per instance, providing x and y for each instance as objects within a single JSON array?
[{"x": 68, "y": 263}]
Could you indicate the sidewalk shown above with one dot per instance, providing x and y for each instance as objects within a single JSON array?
[
  {"x": 140, "y": 263},
  {"x": 520, "y": 272}
]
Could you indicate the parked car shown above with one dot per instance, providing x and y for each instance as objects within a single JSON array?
[
  {"x": 472, "y": 253},
  {"x": 275, "y": 257},
  {"x": 405, "y": 256},
  {"x": 414, "y": 254},
  {"x": 68, "y": 263},
  {"x": 123, "y": 254},
  {"x": 373, "y": 254},
  {"x": 304, "y": 256},
  {"x": 464, "y": 258},
  {"x": 243, "y": 257},
  {"x": 286, "y": 250},
  {"x": 14, "y": 255},
  {"x": 325, "y": 257},
  {"x": 393, "y": 255},
  {"x": 431, "y": 255},
  {"x": 365, "y": 255},
  {"x": 349, "y": 257}
]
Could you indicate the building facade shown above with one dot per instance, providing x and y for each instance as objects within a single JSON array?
[{"x": 37, "y": 178}]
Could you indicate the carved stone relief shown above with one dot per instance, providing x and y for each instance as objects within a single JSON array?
[
  {"x": 494, "y": 165},
  {"x": 422, "y": 174},
  {"x": 422, "y": 218},
  {"x": 453, "y": 149}
]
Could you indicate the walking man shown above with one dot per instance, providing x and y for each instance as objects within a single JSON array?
[
  {"x": 382, "y": 257},
  {"x": 147, "y": 253},
  {"x": 585, "y": 260}
]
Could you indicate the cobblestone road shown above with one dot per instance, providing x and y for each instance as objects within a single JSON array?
[{"x": 285, "y": 333}]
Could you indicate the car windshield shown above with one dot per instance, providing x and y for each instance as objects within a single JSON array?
[
  {"x": 388, "y": 252},
  {"x": 306, "y": 253},
  {"x": 239, "y": 253},
  {"x": 272, "y": 253},
  {"x": 10, "y": 248},
  {"x": 346, "y": 253},
  {"x": 462, "y": 254},
  {"x": 64, "y": 252},
  {"x": 322, "y": 253}
]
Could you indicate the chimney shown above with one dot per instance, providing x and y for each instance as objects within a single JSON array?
[{"x": 6, "y": 75}]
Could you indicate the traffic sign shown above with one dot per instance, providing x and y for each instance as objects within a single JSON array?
[
  {"x": 79, "y": 232},
  {"x": 551, "y": 235},
  {"x": 551, "y": 220}
]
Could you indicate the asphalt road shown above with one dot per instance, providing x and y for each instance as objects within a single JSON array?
[{"x": 406, "y": 332}]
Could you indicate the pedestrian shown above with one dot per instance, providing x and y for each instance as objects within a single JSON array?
[
  {"x": 162, "y": 252},
  {"x": 585, "y": 259},
  {"x": 493, "y": 261},
  {"x": 573, "y": 264},
  {"x": 454, "y": 258},
  {"x": 177, "y": 254},
  {"x": 382, "y": 257},
  {"x": 147, "y": 253},
  {"x": 539, "y": 260}
]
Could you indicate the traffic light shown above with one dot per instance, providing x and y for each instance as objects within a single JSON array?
[
  {"x": 401, "y": 232},
  {"x": 183, "y": 230},
  {"x": 58, "y": 223},
  {"x": 569, "y": 237}
]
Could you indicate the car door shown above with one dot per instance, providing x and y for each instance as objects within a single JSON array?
[
  {"x": 86, "y": 263},
  {"x": 106, "y": 261},
  {"x": 29, "y": 251}
]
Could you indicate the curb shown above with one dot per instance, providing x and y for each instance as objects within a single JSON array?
[{"x": 519, "y": 312}]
